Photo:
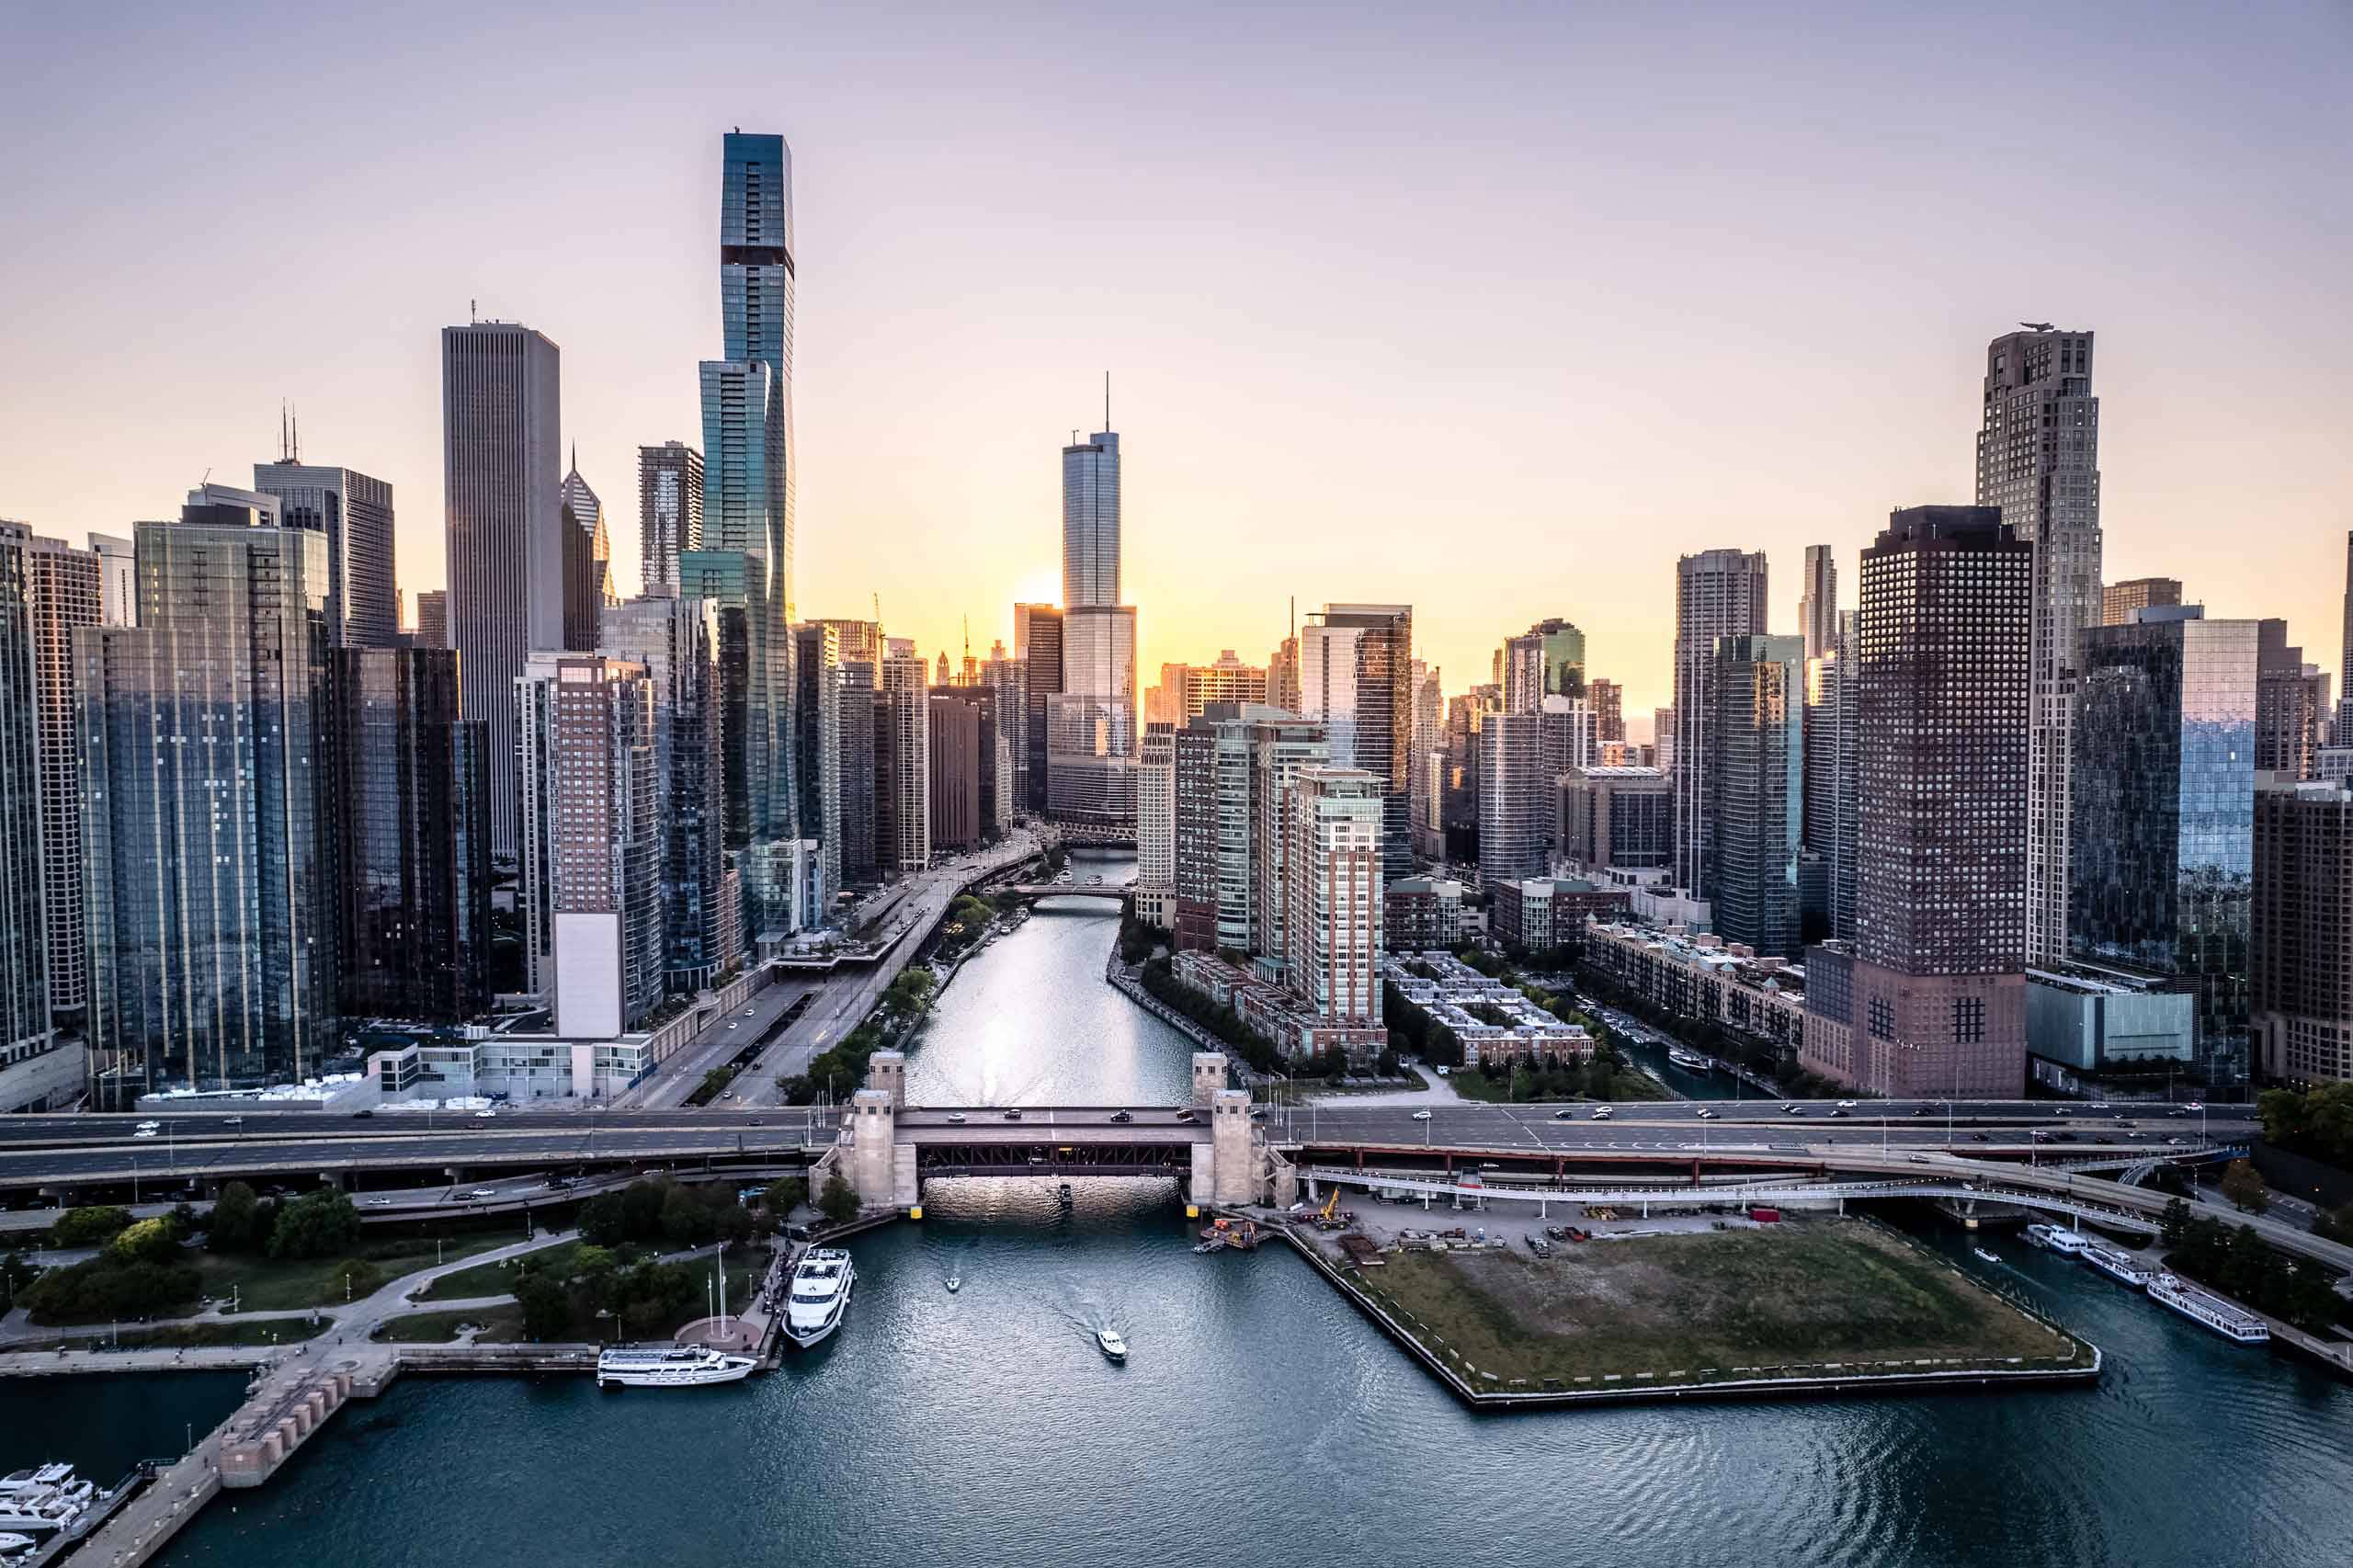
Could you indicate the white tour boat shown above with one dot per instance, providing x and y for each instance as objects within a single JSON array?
[
  {"x": 819, "y": 1295},
  {"x": 2058, "y": 1238},
  {"x": 669, "y": 1367},
  {"x": 2230, "y": 1321},
  {"x": 2118, "y": 1264},
  {"x": 1111, "y": 1344}
]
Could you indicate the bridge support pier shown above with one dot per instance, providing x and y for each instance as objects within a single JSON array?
[{"x": 887, "y": 1071}]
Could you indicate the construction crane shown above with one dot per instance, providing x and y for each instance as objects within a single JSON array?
[{"x": 1331, "y": 1204}]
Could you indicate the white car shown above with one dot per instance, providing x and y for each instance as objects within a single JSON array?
[
  {"x": 480, "y": 1192},
  {"x": 151, "y": 1127},
  {"x": 1600, "y": 1113},
  {"x": 2194, "y": 1105},
  {"x": 379, "y": 1203},
  {"x": 145, "y": 1132},
  {"x": 1845, "y": 1105},
  {"x": 1421, "y": 1116},
  {"x": 749, "y": 1012},
  {"x": 1706, "y": 1115},
  {"x": 957, "y": 1117},
  {"x": 484, "y": 1115}
]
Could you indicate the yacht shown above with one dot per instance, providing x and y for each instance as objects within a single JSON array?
[
  {"x": 2118, "y": 1264},
  {"x": 2225, "y": 1318},
  {"x": 1111, "y": 1344},
  {"x": 1686, "y": 1059},
  {"x": 669, "y": 1367},
  {"x": 12, "y": 1544},
  {"x": 2058, "y": 1238},
  {"x": 819, "y": 1295}
]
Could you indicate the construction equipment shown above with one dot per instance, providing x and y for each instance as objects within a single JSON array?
[{"x": 1330, "y": 1204}]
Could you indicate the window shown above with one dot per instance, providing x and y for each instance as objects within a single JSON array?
[
  {"x": 1968, "y": 1019},
  {"x": 1882, "y": 1019}
]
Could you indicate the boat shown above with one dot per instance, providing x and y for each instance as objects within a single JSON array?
[
  {"x": 2058, "y": 1239},
  {"x": 955, "y": 1283},
  {"x": 2225, "y": 1318},
  {"x": 1990, "y": 1257},
  {"x": 819, "y": 1295},
  {"x": 1109, "y": 1341},
  {"x": 1687, "y": 1061},
  {"x": 12, "y": 1544},
  {"x": 2118, "y": 1264},
  {"x": 669, "y": 1367},
  {"x": 2039, "y": 1234}
]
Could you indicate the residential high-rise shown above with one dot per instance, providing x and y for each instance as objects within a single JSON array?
[
  {"x": 1516, "y": 798},
  {"x": 816, "y": 768},
  {"x": 1616, "y": 818},
  {"x": 1929, "y": 1000},
  {"x": 2037, "y": 460},
  {"x": 1608, "y": 699},
  {"x": 2163, "y": 799},
  {"x": 62, "y": 588},
  {"x": 354, "y": 512},
  {"x": 1227, "y": 680},
  {"x": 1091, "y": 717},
  {"x": 1197, "y": 830},
  {"x": 412, "y": 824},
  {"x": 1547, "y": 660},
  {"x": 675, "y": 640},
  {"x": 2291, "y": 707},
  {"x": 1718, "y": 593},
  {"x": 902, "y": 760},
  {"x": 1423, "y": 781},
  {"x": 1156, "y": 808},
  {"x": 26, "y": 1032},
  {"x": 2300, "y": 990},
  {"x": 1037, "y": 643},
  {"x": 591, "y": 886},
  {"x": 854, "y": 764},
  {"x": 1756, "y": 790},
  {"x": 1281, "y": 748},
  {"x": 1163, "y": 702},
  {"x": 1356, "y": 674},
  {"x": 1335, "y": 826},
  {"x": 2119, "y": 600},
  {"x": 207, "y": 824},
  {"x": 1009, "y": 679},
  {"x": 500, "y": 409},
  {"x": 1282, "y": 675},
  {"x": 117, "y": 580},
  {"x": 1832, "y": 756},
  {"x": 432, "y": 618},
  {"x": 1818, "y": 603},
  {"x": 955, "y": 763},
  {"x": 1662, "y": 728},
  {"x": 2344, "y": 672},
  {"x": 669, "y": 511}
]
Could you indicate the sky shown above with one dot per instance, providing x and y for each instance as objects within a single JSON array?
[{"x": 1494, "y": 310}]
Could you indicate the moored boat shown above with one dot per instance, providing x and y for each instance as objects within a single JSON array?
[
  {"x": 2118, "y": 1264},
  {"x": 819, "y": 1295},
  {"x": 2225, "y": 1318},
  {"x": 669, "y": 1367}
]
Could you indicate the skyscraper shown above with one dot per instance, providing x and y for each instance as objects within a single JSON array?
[
  {"x": 1756, "y": 790},
  {"x": 354, "y": 512},
  {"x": 1547, "y": 660},
  {"x": 2119, "y": 600},
  {"x": 955, "y": 768},
  {"x": 2301, "y": 997},
  {"x": 433, "y": 617},
  {"x": 817, "y": 764},
  {"x": 62, "y": 589},
  {"x": 1281, "y": 748},
  {"x": 1156, "y": 810},
  {"x": 1818, "y": 605},
  {"x": 117, "y": 580},
  {"x": 675, "y": 639},
  {"x": 587, "y": 560},
  {"x": 1091, "y": 520},
  {"x": 902, "y": 760},
  {"x": 669, "y": 511},
  {"x": 26, "y": 1032},
  {"x": 500, "y": 409},
  {"x": 2291, "y": 707},
  {"x": 207, "y": 824},
  {"x": 1832, "y": 694},
  {"x": 1516, "y": 800},
  {"x": 1608, "y": 699},
  {"x": 2163, "y": 800},
  {"x": 1356, "y": 674},
  {"x": 1335, "y": 828},
  {"x": 412, "y": 820},
  {"x": 1227, "y": 680},
  {"x": 1037, "y": 644},
  {"x": 854, "y": 764},
  {"x": 1010, "y": 679},
  {"x": 1718, "y": 593},
  {"x": 2037, "y": 460},
  {"x": 1092, "y": 718},
  {"x": 1929, "y": 1000}
]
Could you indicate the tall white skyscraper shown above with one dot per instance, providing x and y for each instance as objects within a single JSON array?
[
  {"x": 2037, "y": 460},
  {"x": 1092, "y": 721}
]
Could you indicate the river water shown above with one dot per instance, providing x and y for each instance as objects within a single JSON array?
[{"x": 1258, "y": 1419}]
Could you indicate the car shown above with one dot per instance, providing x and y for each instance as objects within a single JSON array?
[
  {"x": 2177, "y": 1112},
  {"x": 957, "y": 1117},
  {"x": 145, "y": 1132},
  {"x": 1919, "y": 1110},
  {"x": 1441, "y": 1071},
  {"x": 361, "y": 1115},
  {"x": 2120, "y": 1121},
  {"x": 1707, "y": 1115},
  {"x": 2194, "y": 1105},
  {"x": 1793, "y": 1109},
  {"x": 2099, "y": 1104},
  {"x": 1600, "y": 1113},
  {"x": 751, "y": 1012},
  {"x": 151, "y": 1127},
  {"x": 1837, "y": 1111},
  {"x": 1562, "y": 1114},
  {"x": 1185, "y": 1114},
  {"x": 1013, "y": 1113},
  {"x": 1421, "y": 1116},
  {"x": 727, "y": 1094},
  {"x": 734, "y": 1026},
  {"x": 756, "y": 1121},
  {"x": 484, "y": 1115},
  {"x": 1122, "y": 1116},
  {"x": 2065, "y": 1111},
  {"x": 2176, "y": 1143},
  {"x": 1258, "y": 1113},
  {"x": 479, "y": 1193},
  {"x": 1845, "y": 1105},
  {"x": 1979, "y": 1138},
  {"x": 379, "y": 1203}
]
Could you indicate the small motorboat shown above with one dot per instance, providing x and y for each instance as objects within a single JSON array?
[
  {"x": 1109, "y": 1341},
  {"x": 1988, "y": 1256},
  {"x": 12, "y": 1544},
  {"x": 955, "y": 1283}
]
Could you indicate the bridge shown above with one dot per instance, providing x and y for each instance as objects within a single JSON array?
[{"x": 1068, "y": 890}]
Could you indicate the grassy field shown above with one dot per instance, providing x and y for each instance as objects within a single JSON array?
[
  {"x": 498, "y": 1278},
  {"x": 501, "y": 1325},
  {"x": 1797, "y": 1294},
  {"x": 745, "y": 1270},
  {"x": 267, "y": 1284},
  {"x": 235, "y": 1330}
]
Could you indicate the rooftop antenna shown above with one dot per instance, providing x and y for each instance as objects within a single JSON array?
[
  {"x": 298, "y": 434},
  {"x": 282, "y": 449},
  {"x": 1294, "y": 617},
  {"x": 967, "y": 639},
  {"x": 1107, "y": 401},
  {"x": 473, "y": 316}
]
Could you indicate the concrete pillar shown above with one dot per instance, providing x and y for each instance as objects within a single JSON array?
[
  {"x": 1209, "y": 1078},
  {"x": 339, "y": 1180},
  {"x": 869, "y": 1137},
  {"x": 887, "y": 1071},
  {"x": 1229, "y": 1137}
]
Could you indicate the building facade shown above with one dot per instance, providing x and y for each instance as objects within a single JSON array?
[
  {"x": 2291, "y": 705},
  {"x": 1355, "y": 675},
  {"x": 1547, "y": 660},
  {"x": 675, "y": 641},
  {"x": 27, "y": 1032},
  {"x": 2119, "y": 600},
  {"x": 902, "y": 760},
  {"x": 1756, "y": 790},
  {"x": 669, "y": 513},
  {"x": 355, "y": 513},
  {"x": 2300, "y": 991},
  {"x": 1818, "y": 603},
  {"x": 62, "y": 588},
  {"x": 1617, "y": 817},
  {"x": 955, "y": 760},
  {"x": 1332, "y": 876},
  {"x": 1831, "y": 759},
  {"x": 1516, "y": 797},
  {"x": 1718, "y": 593}
]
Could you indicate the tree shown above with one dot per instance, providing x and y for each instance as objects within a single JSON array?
[
  {"x": 147, "y": 1241},
  {"x": 87, "y": 1227},
  {"x": 2174, "y": 1226},
  {"x": 547, "y": 1307},
  {"x": 838, "y": 1202},
  {"x": 236, "y": 1219},
  {"x": 641, "y": 1206},
  {"x": 2242, "y": 1185},
  {"x": 604, "y": 1220},
  {"x": 686, "y": 1218},
  {"x": 316, "y": 1224},
  {"x": 2335, "y": 1224},
  {"x": 1386, "y": 1065},
  {"x": 785, "y": 1194}
]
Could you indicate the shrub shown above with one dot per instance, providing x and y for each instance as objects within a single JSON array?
[
  {"x": 838, "y": 1202},
  {"x": 317, "y": 1224},
  {"x": 147, "y": 1241},
  {"x": 89, "y": 1227}
]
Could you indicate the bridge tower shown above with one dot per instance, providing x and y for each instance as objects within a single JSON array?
[
  {"x": 883, "y": 1172},
  {"x": 1209, "y": 1078},
  {"x": 887, "y": 1071},
  {"x": 1234, "y": 1160}
]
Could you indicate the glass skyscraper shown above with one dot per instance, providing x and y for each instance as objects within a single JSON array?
[
  {"x": 207, "y": 822},
  {"x": 24, "y": 937},
  {"x": 354, "y": 512},
  {"x": 2163, "y": 827},
  {"x": 1091, "y": 718},
  {"x": 1757, "y": 786}
]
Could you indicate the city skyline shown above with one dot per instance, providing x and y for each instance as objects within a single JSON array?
[{"x": 1537, "y": 409}]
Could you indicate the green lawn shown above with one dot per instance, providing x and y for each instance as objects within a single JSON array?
[
  {"x": 1797, "y": 1294},
  {"x": 745, "y": 1270},
  {"x": 501, "y": 1325},
  {"x": 236, "y": 1331},
  {"x": 498, "y": 1279},
  {"x": 267, "y": 1284}
]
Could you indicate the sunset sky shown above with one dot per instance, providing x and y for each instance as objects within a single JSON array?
[{"x": 1494, "y": 310}]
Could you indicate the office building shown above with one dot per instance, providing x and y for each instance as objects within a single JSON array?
[
  {"x": 1092, "y": 714},
  {"x": 2085, "y": 1025},
  {"x": 1616, "y": 818},
  {"x": 2117, "y": 601},
  {"x": 355, "y": 513},
  {"x": 993, "y": 760},
  {"x": 1831, "y": 761},
  {"x": 1199, "y": 808},
  {"x": 1516, "y": 798},
  {"x": 2292, "y": 708},
  {"x": 1282, "y": 675},
  {"x": 816, "y": 768},
  {"x": 411, "y": 834},
  {"x": 62, "y": 588},
  {"x": 1718, "y": 593},
  {"x": 1334, "y": 831},
  {"x": 955, "y": 761},
  {"x": 1355, "y": 675},
  {"x": 676, "y": 641},
  {"x": 2300, "y": 994},
  {"x": 1008, "y": 678},
  {"x": 1547, "y": 660},
  {"x": 669, "y": 513},
  {"x": 902, "y": 760},
  {"x": 1929, "y": 999},
  {"x": 1164, "y": 701},
  {"x": 591, "y": 886},
  {"x": 207, "y": 815},
  {"x": 1037, "y": 644},
  {"x": 432, "y": 619},
  {"x": 2164, "y": 801},
  {"x": 27, "y": 1032},
  {"x": 2345, "y": 674},
  {"x": 1228, "y": 680},
  {"x": 2037, "y": 460},
  {"x": 1756, "y": 790},
  {"x": 500, "y": 409},
  {"x": 1608, "y": 699},
  {"x": 117, "y": 580},
  {"x": 1818, "y": 603},
  {"x": 854, "y": 765}
]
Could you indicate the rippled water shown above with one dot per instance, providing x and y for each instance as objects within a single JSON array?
[{"x": 1260, "y": 1420}]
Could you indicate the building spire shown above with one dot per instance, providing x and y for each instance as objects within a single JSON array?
[{"x": 1106, "y": 401}]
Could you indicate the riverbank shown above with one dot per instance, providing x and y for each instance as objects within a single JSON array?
[{"x": 1770, "y": 1312}]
